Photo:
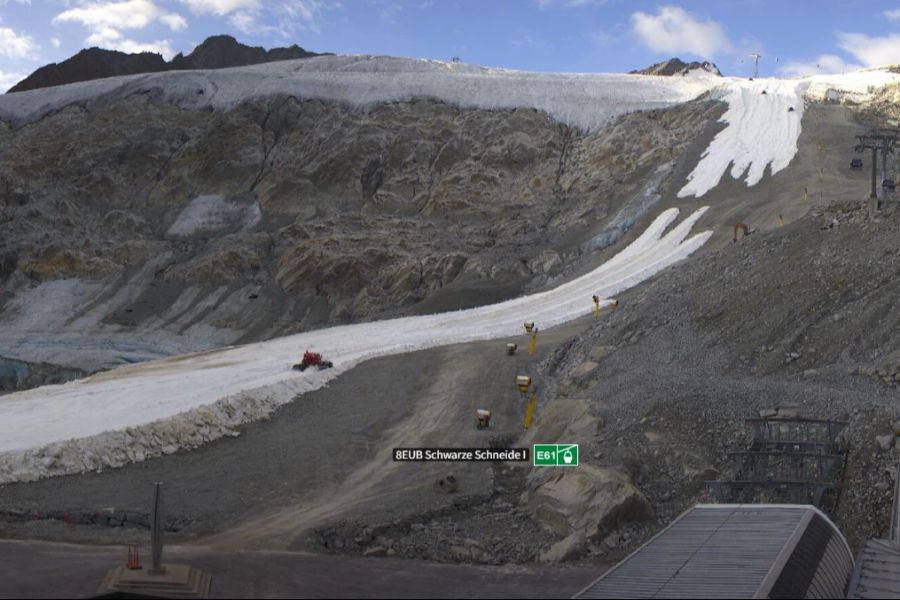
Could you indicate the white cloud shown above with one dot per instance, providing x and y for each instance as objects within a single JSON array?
[
  {"x": 247, "y": 22},
  {"x": 162, "y": 47},
  {"x": 175, "y": 21},
  {"x": 105, "y": 20},
  {"x": 254, "y": 17},
  {"x": 871, "y": 51},
  {"x": 16, "y": 45},
  {"x": 674, "y": 30},
  {"x": 243, "y": 21},
  {"x": 866, "y": 51},
  {"x": 221, "y": 7},
  {"x": 826, "y": 63},
  {"x": 111, "y": 38},
  {"x": 127, "y": 14},
  {"x": 55, "y": 41},
  {"x": 307, "y": 11},
  {"x": 105, "y": 36},
  {"x": 893, "y": 15},
  {"x": 7, "y": 80}
]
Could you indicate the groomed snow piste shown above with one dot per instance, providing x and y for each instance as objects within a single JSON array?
[
  {"x": 152, "y": 408},
  {"x": 763, "y": 123}
]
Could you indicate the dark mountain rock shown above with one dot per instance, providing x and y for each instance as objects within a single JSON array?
[
  {"x": 221, "y": 51},
  {"x": 216, "y": 52},
  {"x": 676, "y": 66},
  {"x": 93, "y": 63}
]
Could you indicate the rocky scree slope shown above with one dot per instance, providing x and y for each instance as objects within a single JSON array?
[
  {"x": 132, "y": 229},
  {"x": 799, "y": 319}
]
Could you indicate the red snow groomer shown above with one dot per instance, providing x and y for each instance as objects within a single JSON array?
[{"x": 313, "y": 359}]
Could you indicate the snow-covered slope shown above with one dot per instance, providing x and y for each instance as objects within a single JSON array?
[
  {"x": 764, "y": 123},
  {"x": 760, "y": 132},
  {"x": 763, "y": 120},
  {"x": 586, "y": 100},
  {"x": 190, "y": 399}
]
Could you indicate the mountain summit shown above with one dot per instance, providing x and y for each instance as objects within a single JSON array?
[
  {"x": 676, "y": 66},
  {"x": 216, "y": 52}
]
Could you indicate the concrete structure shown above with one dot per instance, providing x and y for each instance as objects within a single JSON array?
[{"x": 161, "y": 580}]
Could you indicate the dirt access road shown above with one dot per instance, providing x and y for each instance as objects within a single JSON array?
[{"x": 323, "y": 457}]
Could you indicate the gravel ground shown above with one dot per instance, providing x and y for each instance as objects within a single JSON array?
[
  {"x": 45, "y": 570},
  {"x": 787, "y": 318},
  {"x": 322, "y": 466},
  {"x": 799, "y": 316}
]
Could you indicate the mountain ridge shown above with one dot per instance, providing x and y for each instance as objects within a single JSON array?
[
  {"x": 215, "y": 52},
  {"x": 676, "y": 66}
]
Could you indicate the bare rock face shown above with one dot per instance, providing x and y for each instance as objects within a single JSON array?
[{"x": 208, "y": 228}]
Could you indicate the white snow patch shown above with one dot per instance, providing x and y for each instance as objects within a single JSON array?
[
  {"x": 47, "y": 305},
  {"x": 762, "y": 131},
  {"x": 132, "y": 412},
  {"x": 63, "y": 322},
  {"x": 213, "y": 213}
]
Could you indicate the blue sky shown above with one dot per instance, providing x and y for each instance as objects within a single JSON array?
[{"x": 794, "y": 37}]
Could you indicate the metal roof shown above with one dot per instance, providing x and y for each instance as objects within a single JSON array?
[
  {"x": 734, "y": 551},
  {"x": 877, "y": 573}
]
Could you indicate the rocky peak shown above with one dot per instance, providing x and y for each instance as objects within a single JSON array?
[
  {"x": 676, "y": 66},
  {"x": 221, "y": 51},
  {"x": 216, "y": 52}
]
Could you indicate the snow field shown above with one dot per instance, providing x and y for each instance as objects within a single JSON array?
[{"x": 760, "y": 130}]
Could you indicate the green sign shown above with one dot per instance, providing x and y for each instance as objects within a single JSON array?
[{"x": 555, "y": 455}]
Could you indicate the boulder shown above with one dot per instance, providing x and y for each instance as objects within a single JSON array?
[
  {"x": 589, "y": 500},
  {"x": 600, "y": 352},
  {"x": 566, "y": 549},
  {"x": 584, "y": 371},
  {"x": 886, "y": 442},
  {"x": 699, "y": 472}
]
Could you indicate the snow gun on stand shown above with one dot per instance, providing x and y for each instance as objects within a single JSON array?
[{"x": 312, "y": 359}]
